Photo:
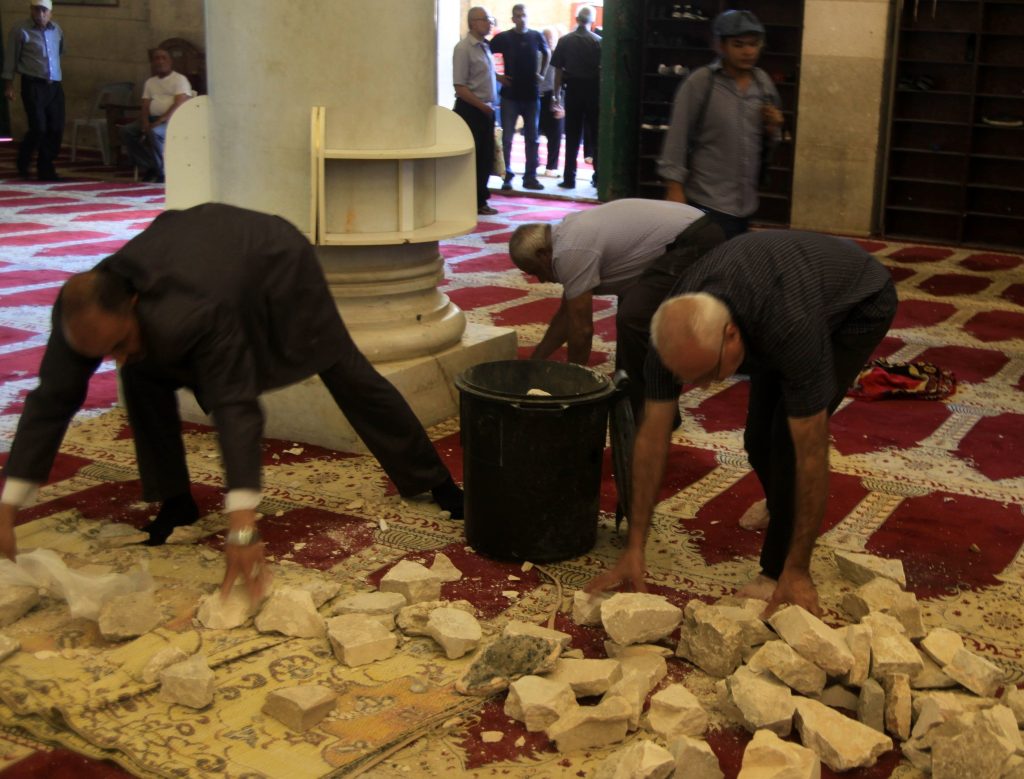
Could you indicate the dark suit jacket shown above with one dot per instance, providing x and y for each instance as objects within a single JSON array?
[{"x": 231, "y": 303}]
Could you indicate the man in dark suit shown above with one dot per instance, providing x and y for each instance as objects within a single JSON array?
[{"x": 229, "y": 303}]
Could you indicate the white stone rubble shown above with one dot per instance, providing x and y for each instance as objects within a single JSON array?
[
  {"x": 505, "y": 660},
  {"x": 456, "y": 631},
  {"x": 676, "y": 711},
  {"x": 787, "y": 665},
  {"x": 639, "y": 760},
  {"x": 538, "y": 702},
  {"x": 694, "y": 758},
  {"x": 639, "y": 617},
  {"x": 762, "y": 700},
  {"x": 300, "y": 708},
  {"x": 382, "y": 605},
  {"x": 291, "y": 612},
  {"x": 858, "y": 638},
  {"x": 769, "y": 757},
  {"x": 412, "y": 620},
  {"x": 897, "y": 705},
  {"x": 413, "y": 580},
  {"x": 975, "y": 673},
  {"x": 838, "y": 697},
  {"x": 217, "y": 613},
  {"x": 941, "y": 644},
  {"x": 891, "y": 651},
  {"x": 871, "y": 705},
  {"x": 613, "y": 649},
  {"x": 586, "y": 608},
  {"x": 517, "y": 628},
  {"x": 716, "y": 638},
  {"x": 8, "y": 646},
  {"x": 861, "y": 568},
  {"x": 190, "y": 683},
  {"x": 812, "y": 638},
  {"x": 129, "y": 616},
  {"x": 591, "y": 726},
  {"x": 16, "y": 602},
  {"x": 358, "y": 639},
  {"x": 587, "y": 677},
  {"x": 842, "y": 743},
  {"x": 445, "y": 569}
]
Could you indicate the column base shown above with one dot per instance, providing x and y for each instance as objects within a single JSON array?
[{"x": 306, "y": 413}]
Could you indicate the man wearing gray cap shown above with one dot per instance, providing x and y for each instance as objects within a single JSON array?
[
  {"x": 723, "y": 118},
  {"x": 34, "y": 49}
]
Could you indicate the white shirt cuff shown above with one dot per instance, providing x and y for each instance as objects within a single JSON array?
[
  {"x": 18, "y": 492},
  {"x": 242, "y": 500}
]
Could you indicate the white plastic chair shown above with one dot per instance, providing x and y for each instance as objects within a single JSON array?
[{"x": 119, "y": 92}]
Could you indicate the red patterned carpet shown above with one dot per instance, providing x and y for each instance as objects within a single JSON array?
[{"x": 937, "y": 484}]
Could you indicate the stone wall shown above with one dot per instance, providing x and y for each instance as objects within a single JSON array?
[{"x": 105, "y": 44}]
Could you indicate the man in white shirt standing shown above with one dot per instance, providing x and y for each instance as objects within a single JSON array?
[{"x": 144, "y": 138}]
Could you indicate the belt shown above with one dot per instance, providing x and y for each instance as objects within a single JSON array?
[{"x": 27, "y": 77}]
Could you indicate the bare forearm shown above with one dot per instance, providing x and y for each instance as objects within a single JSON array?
[
  {"x": 555, "y": 336},
  {"x": 650, "y": 453},
  {"x": 674, "y": 192},
  {"x": 580, "y": 342},
  {"x": 810, "y": 441}
]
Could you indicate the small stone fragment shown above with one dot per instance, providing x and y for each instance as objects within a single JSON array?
[
  {"x": 813, "y": 639},
  {"x": 871, "y": 705},
  {"x": 861, "y": 568},
  {"x": 116, "y": 534},
  {"x": 975, "y": 673},
  {"x": 931, "y": 676},
  {"x": 891, "y": 650},
  {"x": 951, "y": 703},
  {"x": 491, "y": 736},
  {"x": 651, "y": 668},
  {"x": 526, "y": 567},
  {"x": 129, "y": 616},
  {"x": 322, "y": 590},
  {"x": 164, "y": 658},
  {"x": 300, "y": 708},
  {"x": 517, "y": 628},
  {"x": 574, "y": 654},
  {"x": 586, "y": 677},
  {"x": 789, "y": 667},
  {"x": 858, "y": 638},
  {"x": 639, "y": 617},
  {"x": 633, "y": 689},
  {"x": 897, "y": 705},
  {"x": 190, "y": 683},
  {"x": 639, "y": 760},
  {"x": 8, "y": 646},
  {"x": 586, "y": 608},
  {"x": 716, "y": 638},
  {"x": 675, "y": 710},
  {"x": 930, "y": 716},
  {"x": 456, "y": 631},
  {"x": 217, "y": 613},
  {"x": 769, "y": 757},
  {"x": 358, "y": 639},
  {"x": 291, "y": 612},
  {"x": 612, "y": 649},
  {"x": 1013, "y": 698},
  {"x": 591, "y": 726},
  {"x": 416, "y": 582},
  {"x": 838, "y": 697},
  {"x": 763, "y": 701},
  {"x": 412, "y": 620},
  {"x": 842, "y": 743},
  {"x": 877, "y": 596},
  {"x": 507, "y": 659},
  {"x": 941, "y": 644},
  {"x": 354, "y": 505},
  {"x": 381, "y": 605},
  {"x": 908, "y": 611},
  {"x": 16, "y": 602},
  {"x": 538, "y": 702},
  {"x": 694, "y": 758},
  {"x": 445, "y": 569}
]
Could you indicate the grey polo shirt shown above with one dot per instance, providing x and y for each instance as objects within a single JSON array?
[
  {"x": 472, "y": 66},
  {"x": 604, "y": 250},
  {"x": 34, "y": 52},
  {"x": 579, "y": 55},
  {"x": 722, "y": 173},
  {"x": 788, "y": 292}
]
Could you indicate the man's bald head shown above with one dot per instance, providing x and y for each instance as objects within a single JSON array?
[
  {"x": 690, "y": 334},
  {"x": 98, "y": 315}
]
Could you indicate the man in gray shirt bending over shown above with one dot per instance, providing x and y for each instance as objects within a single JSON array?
[
  {"x": 723, "y": 117},
  {"x": 631, "y": 248}
]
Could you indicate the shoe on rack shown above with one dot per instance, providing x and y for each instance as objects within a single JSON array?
[
  {"x": 567, "y": 184},
  {"x": 532, "y": 183},
  {"x": 692, "y": 13},
  {"x": 1003, "y": 120},
  {"x": 486, "y": 210}
]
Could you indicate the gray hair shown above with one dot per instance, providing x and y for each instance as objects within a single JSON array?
[
  {"x": 585, "y": 15},
  {"x": 700, "y": 316},
  {"x": 526, "y": 241}
]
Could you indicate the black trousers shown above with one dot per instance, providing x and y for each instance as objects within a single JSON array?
[
  {"x": 375, "y": 409},
  {"x": 552, "y": 129},
  {"x": 44, "y": 109},
  {"x": 638, "y": 304},
  {"x": 482, "y": 128},
  {"x": 731, "y": 225},
  {"x": 768, "y": 441},
  {"x": 582, "y": 101}
]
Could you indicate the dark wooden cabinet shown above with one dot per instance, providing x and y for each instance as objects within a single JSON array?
[
  {"x": 678, "y": 35},
  {"x": 955, "y": 162}
]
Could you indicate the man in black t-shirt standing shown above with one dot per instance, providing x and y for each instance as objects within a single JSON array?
[
  {"x": 577, "y": 60},
  {"x": 526, "y": 58}
]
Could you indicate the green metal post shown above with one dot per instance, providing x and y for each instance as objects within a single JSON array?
[{"x": 618, "y": 132}]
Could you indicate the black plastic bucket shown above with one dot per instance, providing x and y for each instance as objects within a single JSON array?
[{"x": 532, "y": 463}]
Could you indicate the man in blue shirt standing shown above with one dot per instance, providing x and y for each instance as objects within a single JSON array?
[
  {"x": 526, "y": 61},
  {"x": 34, "y": 50}
]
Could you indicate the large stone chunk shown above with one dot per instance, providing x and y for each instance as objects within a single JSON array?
[
  {"x": 694, "y": 758},
  {"x": 891, "y": 651},
  {"x": 382, "y": 605},
  {"x": 633, "y": 689},
  {"x": 842, "y": 743},
  {"x": 456, "y": 631},
  {"x": 517, "y": 628},
  {"x": 16, "y": 602},
  {"x": 358, "y": 639},
  {"x": 769, "y": 757},
  {"x": 412, "y": 580},
  {"x": 877, "y": 596},
  {"x": 639, "y": 617},
  {"x": 716, "y": 638},
  {"x": 975, "y": 673},
  {"x": 858, "y": 638},
  {"x": 930, "y": 676},
  {"x": 538, "y": 702},
  {"x": 300, "y": 708},
  {"x": 412, "y": 620},
  {"x": 651, "y": 668},
  {"x": 813, "y": 639},
  {"x": 586, "y": 608},
  {"x": 838, "y": 697},
  {"x": 676, "y": 711},
  {"x": 129, "y": 616},
  {"x": 640, "y": 760},
  {"x": 505, "y": 660},
  {"x": 908, "y": 611},
  {"x": 233, "y": 611},
  {"x": 861, "y": 568},
  {"x": 591, "y": 726},
  {"x": 587, "y": 677},
  {"x": 1013, "y": 698},
  {"x": 897, "y": 705},
  {"x": 763, "y": 701},
  {"x": 871, "y": 705},
  {"x": 291, "y": 612},
  {"x": 161, "y": 659},
  {"x": 445, "y": 569},
  {"x": 941, "y": 644},
  {"x": 190, "y": 683},
  {"x": 970, "y": 745},
  {"x": 789, "y": 666}
]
